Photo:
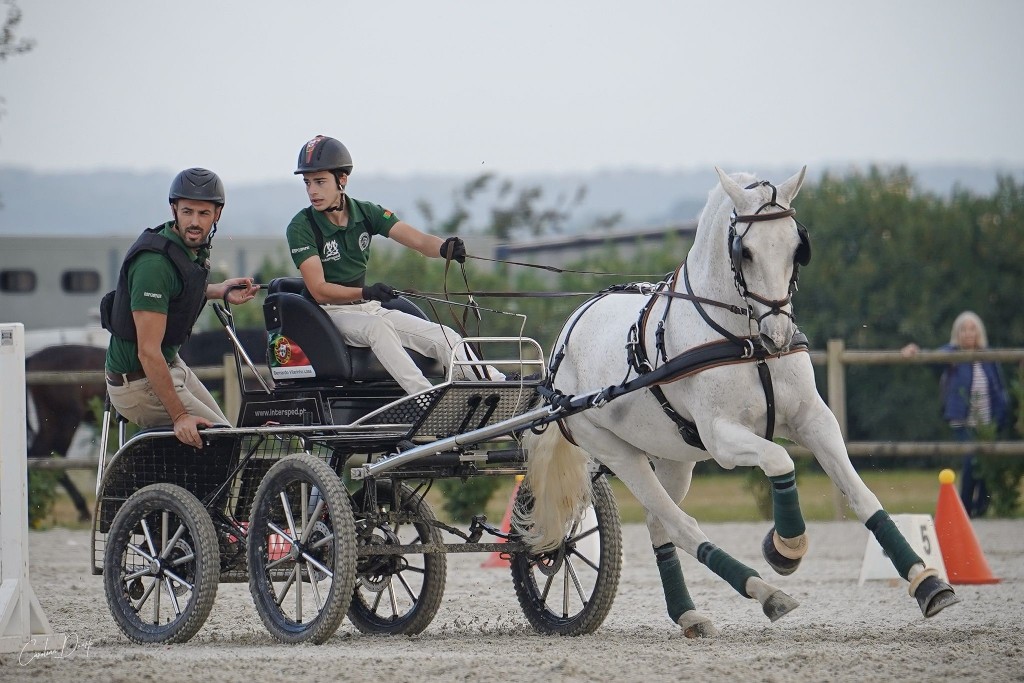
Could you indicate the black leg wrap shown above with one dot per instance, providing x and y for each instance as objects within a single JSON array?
[
  {"x": 934, "y": 595},
  {"x": 776, "y": 560}
]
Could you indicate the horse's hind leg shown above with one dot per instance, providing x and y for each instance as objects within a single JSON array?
[
  {"x": 633, "y": 468},
  {"x": 675, "y": 477},
  {"x": 76, "y": 497}
]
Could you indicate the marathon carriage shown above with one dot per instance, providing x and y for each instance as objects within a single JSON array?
[{"x": 318, "y": 498}]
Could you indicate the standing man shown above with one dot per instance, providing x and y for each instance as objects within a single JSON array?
[
  {"x": 160, "y": 293},
  {"x": 330, "y": 245}
]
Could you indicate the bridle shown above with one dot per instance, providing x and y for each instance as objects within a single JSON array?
[{"x": 735, "y": 248}]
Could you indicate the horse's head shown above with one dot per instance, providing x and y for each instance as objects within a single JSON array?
[{"x": 766, "y": 247}]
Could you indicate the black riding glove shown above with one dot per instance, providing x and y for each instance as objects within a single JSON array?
[
  {"x": 379, "y": 292},
  {"x": 455, "y": 249}
]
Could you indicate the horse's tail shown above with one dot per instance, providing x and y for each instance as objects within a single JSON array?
[{"x": 559, "y": 481}]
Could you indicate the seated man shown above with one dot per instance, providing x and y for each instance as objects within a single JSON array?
[
  {"x": 160, "y": 293},
  {"x": 330, "y": 245}
]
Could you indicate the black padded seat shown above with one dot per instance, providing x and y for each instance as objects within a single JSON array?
[{"x": 289, "y": 311}]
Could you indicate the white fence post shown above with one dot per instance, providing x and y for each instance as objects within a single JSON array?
[{"x": 23, "y": 625}]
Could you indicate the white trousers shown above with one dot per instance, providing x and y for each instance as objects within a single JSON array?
[{"x": 388, "y": 333}]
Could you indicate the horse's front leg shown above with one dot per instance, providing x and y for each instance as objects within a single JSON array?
[
  {"x": 820, "y": 433},
  {"x": 733, "y": 444}
]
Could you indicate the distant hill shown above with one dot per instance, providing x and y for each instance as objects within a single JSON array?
[{"x": 118, "y": 202}]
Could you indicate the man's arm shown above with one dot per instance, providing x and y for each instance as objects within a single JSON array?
[
  {"x": 149, "y": 329},
  {"x": 406, "y": 235},
  {"x": 325, "y": 292},
  {"x": 236, "y": 296}
]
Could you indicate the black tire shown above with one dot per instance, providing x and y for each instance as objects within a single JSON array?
[
  {"x": 397, "y": 594},
  {"x": 301, "y": 579},
  {"x": 569, "y": 591},
  {"x": 161, "y": 565}
]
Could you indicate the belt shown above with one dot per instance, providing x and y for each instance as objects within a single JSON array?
[{"x": 119, "y": 379}]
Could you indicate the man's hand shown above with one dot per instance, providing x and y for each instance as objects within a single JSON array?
[
  {"x": 455, "y": 249},
  {"x": 239, "y": 290},
  {"x": 379, "y": 292},
  {"x": 186, "y": 428}
]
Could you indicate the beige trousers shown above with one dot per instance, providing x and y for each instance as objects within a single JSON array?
[{"x": 137, "y": 403}]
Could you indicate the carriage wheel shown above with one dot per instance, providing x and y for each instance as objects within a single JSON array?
[
  {"x": 301, "y": 550},
  {"x": 397, "y": 594},
  {"x": 161, "y": 565},
  {"x": 568, "y": 591}
]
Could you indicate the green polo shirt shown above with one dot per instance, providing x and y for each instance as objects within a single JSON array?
[
  {"x": 346, "y": 249},
  {"x": 153, "y": 281}
]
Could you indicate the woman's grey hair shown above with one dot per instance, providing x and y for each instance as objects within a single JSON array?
[{"x": 954, "y": 335}]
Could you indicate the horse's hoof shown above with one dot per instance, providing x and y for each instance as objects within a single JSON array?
[
  {"x": 778, "y": 605},
  {"x": 696, "y": 625},
  {"x": 934, "y": 595},
  {"x": 776, "y": 560}
]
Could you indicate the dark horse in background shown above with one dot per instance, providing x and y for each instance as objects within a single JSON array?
[{"x": 61, "y": 408}]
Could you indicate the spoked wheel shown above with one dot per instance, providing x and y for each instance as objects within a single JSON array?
[
  {"x": 161, "y": 565},
  {"x": 568, "y": 591},
  {"x": 301, "y": 550},
  {"x": 396, "y": 594}
]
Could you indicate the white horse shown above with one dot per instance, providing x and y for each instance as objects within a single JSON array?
[{"x": 729, "y": 360}]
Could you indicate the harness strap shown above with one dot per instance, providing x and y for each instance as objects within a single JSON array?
[
  {"x": 715, "y": 354},
  {"x": 703, "y": 314}
]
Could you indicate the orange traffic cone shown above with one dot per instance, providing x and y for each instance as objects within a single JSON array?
[
  {"x": 961, "y": 553},
  {"x": 495, "y": 559}
]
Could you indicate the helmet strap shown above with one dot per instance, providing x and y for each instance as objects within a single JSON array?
[{"x": 341, "y": 204}]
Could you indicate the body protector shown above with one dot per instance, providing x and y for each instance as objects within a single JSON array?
[{"x": 183, "y": 310}]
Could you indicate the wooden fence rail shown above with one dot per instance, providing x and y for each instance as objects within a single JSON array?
[{"x": 836, "y": 358}]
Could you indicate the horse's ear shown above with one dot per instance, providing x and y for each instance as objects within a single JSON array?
[
  {"x": 731, "y": 187},
  {"x": 789, "y": 189}
]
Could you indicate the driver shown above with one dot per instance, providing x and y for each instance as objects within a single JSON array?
[
  {"x": 330, "y": 245},
  {"x": 160, "y": 293}
]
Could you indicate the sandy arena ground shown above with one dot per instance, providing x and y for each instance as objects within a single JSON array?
[{"x": 841, "y": 632}]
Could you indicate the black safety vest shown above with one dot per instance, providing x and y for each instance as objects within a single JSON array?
[{"x": 183, "y": 310}]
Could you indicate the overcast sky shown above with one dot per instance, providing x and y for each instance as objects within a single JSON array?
[{"x": 531, "y": 86}]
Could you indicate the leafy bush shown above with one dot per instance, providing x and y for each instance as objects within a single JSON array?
[
  {"x": 464, "y": 499},
  {"x": 42, "y": 492}
]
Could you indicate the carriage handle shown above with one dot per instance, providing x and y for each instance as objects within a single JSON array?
[{"x": 228, "y": 321}]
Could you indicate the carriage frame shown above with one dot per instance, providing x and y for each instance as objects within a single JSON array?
[{"x": 322, "y": 509}]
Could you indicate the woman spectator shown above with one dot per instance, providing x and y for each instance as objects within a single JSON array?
[{"x": 973, "y": 396}]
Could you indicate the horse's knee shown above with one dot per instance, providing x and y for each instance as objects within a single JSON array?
[{"x": 775, "y": 460}]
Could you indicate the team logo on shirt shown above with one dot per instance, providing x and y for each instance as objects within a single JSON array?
[
  {"x": 364, "y": 241},
  {"x": 331, "y": 252}
]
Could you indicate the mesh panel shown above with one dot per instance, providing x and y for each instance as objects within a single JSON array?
[
  {"x": 466, "y": 407},
  {"x": 212, "y": 474}
]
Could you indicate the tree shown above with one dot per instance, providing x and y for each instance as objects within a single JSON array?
[
  {"x": 512, "y": 212},
  {"x": 10, "y": 44}
]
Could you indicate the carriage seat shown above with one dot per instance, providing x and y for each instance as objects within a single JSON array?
[{"x": 300, "y": 330}]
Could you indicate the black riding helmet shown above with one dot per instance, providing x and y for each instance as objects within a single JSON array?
[
  {"x": 198, "y": 184},
  {"x": 324, "y": 154}
]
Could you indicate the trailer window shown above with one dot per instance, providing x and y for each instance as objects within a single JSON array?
[
  {"x": 80, "y": 281},
  {"x": 17, "y": 281}
]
